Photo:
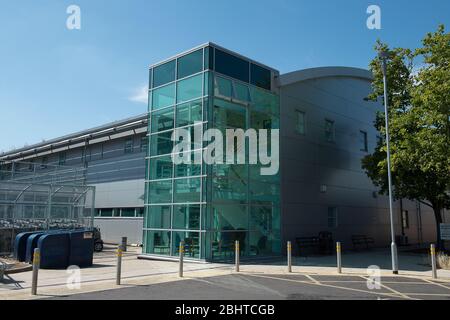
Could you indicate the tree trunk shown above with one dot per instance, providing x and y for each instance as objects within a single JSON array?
[{"x": 438, "y": 217}]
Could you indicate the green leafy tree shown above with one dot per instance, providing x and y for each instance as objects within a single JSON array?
[{"x": 419, "y": 120}]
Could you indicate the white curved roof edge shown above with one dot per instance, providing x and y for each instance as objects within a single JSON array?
[{"x": 323, "y": 72}]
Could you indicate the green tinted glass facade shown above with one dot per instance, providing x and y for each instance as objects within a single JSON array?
[{"x": 209, "y": 206}]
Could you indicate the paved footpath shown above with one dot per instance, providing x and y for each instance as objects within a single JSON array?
[{"x": 146, "y": 279}]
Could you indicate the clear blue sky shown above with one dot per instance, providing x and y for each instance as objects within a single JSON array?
[{"x": 55, "y": 81}]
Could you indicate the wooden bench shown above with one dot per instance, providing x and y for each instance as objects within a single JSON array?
[
  {"x": 362, "y": 240},
  {"x": 307, "y": 245}
]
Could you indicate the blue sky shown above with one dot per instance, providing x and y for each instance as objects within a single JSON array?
[{"x": 55, "y": 81}]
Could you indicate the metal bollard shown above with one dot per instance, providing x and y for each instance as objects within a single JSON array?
[
  {"x": 433, "y": 261},
  {"x": 36, "y": 264},
  {"x": 339, "y": 258},
  {"x": 289, "y": 256},
  {"x": 181, "y": 258},
  {"x": 119, "y": 265},
  {"x": 237, "y": 254},
  {"x": 124, "y": 244}
]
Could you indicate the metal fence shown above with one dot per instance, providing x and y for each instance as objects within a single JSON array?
[{"x": 30, "y": 206}]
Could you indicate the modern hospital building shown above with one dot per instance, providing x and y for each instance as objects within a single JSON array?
[{"x": 326, "y": 127}]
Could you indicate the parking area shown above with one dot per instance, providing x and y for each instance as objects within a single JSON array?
[
  {"x": 277, "y": 287},
  {"x": 312, "y": 278}
]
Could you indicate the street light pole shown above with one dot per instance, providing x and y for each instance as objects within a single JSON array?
[{"x": 383, "y": 56}]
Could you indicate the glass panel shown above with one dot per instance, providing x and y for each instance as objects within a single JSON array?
[
  {"x": 225, "y": 189},
  {"x": 163, "y": 97},
  {"x": 106, "y": 212},
  {"x": 160, "y": 191},
  {"x": 229, "y": 115},
  {"x": 222, "y": 244},
  {"x": 188, "y": 113},
  {"x": 190, "y": 64},
  {"x": 161, "y": 168},
  {"x": 186, "y": 170},
  {"x": 190, "y": 88},
  {"x": 186, "y": 217},
  {"x": 127, "y": 212},
  {"x": 231, "y": 66},
  {"x": 264, "y": 101},
  {"x": 223, "y": 87},
  {"x": 158, "y": 242},
  {"x": 260, "y": 76},
  {"x": 161, "y": 143},
  {"x": 187, "y": 190},
  {"x": 150, "y": 78},
  {"x": 230, "y": 217},
  {"x": 191, "y": 243},
  {"x": 158, "y": 217},
  {"x": 162, "y": 120},
  {"x": 301, "y": 122},
  {"x": 242, "y": 92},
  {"x": 209, "y": 58},
  {"x": 261, "y": 120},
  {"x": 163, "y": 74}
]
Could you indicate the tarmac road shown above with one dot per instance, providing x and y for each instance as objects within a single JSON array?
[{"x": 256, "y": 286}]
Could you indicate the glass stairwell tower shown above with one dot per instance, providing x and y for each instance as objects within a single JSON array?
[{"x": 209, "y": 206}]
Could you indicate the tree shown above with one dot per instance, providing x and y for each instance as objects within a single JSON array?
[{"x": 419, "y": 120}]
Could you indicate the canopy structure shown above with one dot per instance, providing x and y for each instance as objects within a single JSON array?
[{"x": 30, "y": 201}]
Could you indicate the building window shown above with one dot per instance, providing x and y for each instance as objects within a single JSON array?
[
  {"x": 332, "y": 217},
  {"x": 329, "y": 130},
  {"x": 190, "y": 64},
  {"x": 163, "y": 74},
  {"x": 301, "y": 122},
  {"x": 363, "y": 141},
  {"x": 260, "y": 76},
  {"x": 128, "y": 146},
  {"x": 44, "y": 162},
  {"x": 62, "y": 159},
  {"x": 405, "y": 219},
  {"x": 127, "y": 212},
  {"x": 232, "y": 66},
  {"x": 190, "y": 88},
  {"x": 144, "y": 144}
]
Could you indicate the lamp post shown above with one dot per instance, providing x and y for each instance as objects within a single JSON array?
[{"x": 383, "y": 55}]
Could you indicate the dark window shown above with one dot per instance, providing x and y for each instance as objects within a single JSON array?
[
  {"x": 44, "y": 162},
  {"x": 62, "y": 159},
  {"x": 144, "y": 144},
  {"x": 363, "y": 140},
  {"x": 209, "y": 58},
  {"x": 329, "y": 130},
  {"x": 128, "y": 148},
  {"x": 190, "y": 64},
  {"x": 232, "y": 66},
  {"x": 127, "y": 212},
  {"x": 164, "y": 73},
  {"x": 260, "y": 76}
]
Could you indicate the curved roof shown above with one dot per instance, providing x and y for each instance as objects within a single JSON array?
[{"x": 323, "y": 72}]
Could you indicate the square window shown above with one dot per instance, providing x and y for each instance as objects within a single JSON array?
[
  {"x": 163, "y": 97},
  {"x": 163, "y": 74},
  {"x": 190, "y": 64},
  {"x": 190, "y": 88}
]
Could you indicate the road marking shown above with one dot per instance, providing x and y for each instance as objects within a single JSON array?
[
  {"x": 437, "y": 284},
  {"x": 312, "y": 279},
  {"x": 390, "y": 289},
  {"x": 316, "y": 283}
]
